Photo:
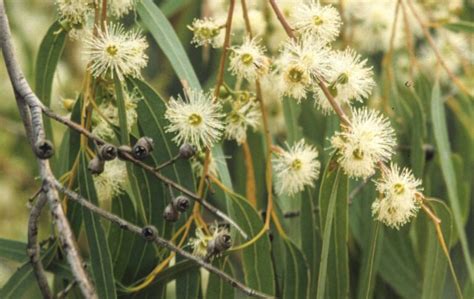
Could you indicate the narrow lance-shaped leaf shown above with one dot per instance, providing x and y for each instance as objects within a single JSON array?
[
  {"x": 435, "y": 262},
  {"x": 49, "y": 53},
  {"x": 440, "y": 129},
  {"x": 101, "y": 260},
  {"x": 162, "y": 31}
]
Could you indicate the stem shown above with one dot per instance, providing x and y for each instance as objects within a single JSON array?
[
  {"x": 228, "y": 27},
  {"x": 33, "y": 249},
  {"x": 250, "y": 175},
  {"x": 439, "y": 234},
  {"x": 123, "y": 224},
  {"x": 267, "y": 135},
  {"x": 281, "y": 18}
]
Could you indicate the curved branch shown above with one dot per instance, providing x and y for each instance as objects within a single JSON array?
[{"x": 33, "y": 248}]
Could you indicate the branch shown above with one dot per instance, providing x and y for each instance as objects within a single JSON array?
[
  {"x": 124, "y": 224},
  {"x": 32, "y": 120},
  {"x": 33, "y": 248}
]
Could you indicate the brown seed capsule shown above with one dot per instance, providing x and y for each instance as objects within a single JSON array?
[
  {"x": 181, "y": 203},
  {"x": 44, "y": 149},
  {"x": 186, "y": 151},
  {"x": 149, "y": 232},
  {"x": 219, "y": 244},
  {"x": 142, "y": 148},
  {"x": 96, "y": 165},
  {"x": 170, "y": 213},
  {"x": 107, "y": 152}
]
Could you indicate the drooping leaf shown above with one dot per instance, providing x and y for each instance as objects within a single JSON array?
[
  {"x": 216, "y": 287},
  {"x": 297, "y": 277},
  {"x": 121, "y": 249},
  {"x": 163, "y": 33},
  {"x": 13, "y": 250},
  {"x": 435, "y": 263},
  {"x": 24, "y": 280},
  {"x": 333, "y": 191},
  {"x": 460, "y": 26},
  {"x": 100, "y": 257},
  {"x": 440, "y": 130},
  {"x": 49, "y": 53}
]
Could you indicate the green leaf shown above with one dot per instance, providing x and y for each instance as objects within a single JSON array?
[
  {"x": 170, "y": 7},
  {"x": 216, "y": 287},
  {"x": 50, "y": 51},
  {"x": 13, "y": 250},
  {"x": 440, "y": 131},
  {"x": 121, "y": 248},
  {"x": 24, "y": 280},
  {"x": 333, "y": 191},
  {"x": 188, "y": 284},
  {"x": 122, "y": 111},
  {"x": 418, "y": 133},
  {"x": 398, "y": 266},
  {"x": 460, "y": 26},
  {"x": 163, "y": 33},
  {"x": 310, "y": 240},
  {"x": 100, "y": 257},
  {"x": 256, "y": 259},
  {"x": 70, "y": 147},
  {"x": 370, "y": 261},
  {"x": 297, "y": 277},
  {"x": 292, "y": 111},
  {"x": 435, "y": 262}
]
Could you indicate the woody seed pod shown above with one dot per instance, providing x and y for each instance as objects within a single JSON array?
[
  {"x": 186, "y": 151},
  {"x": 142, "y": 148},
  {"x": 149, "y": 232},
  {"x": 219, "y": 244},
  {"x": 170, "y": 213},
  {"x": 96, "y": 165},
  {"x": 44, "y": 149},
  {"x": 181, "y": 203},
  {"x": 107, "y": 152}
]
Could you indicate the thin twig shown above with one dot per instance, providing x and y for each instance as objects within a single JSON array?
[
  {"x": 123, "y": 224},
  {"x": 228, "y": 27},
  {"x": 185, "y": 191},
  {"x": 281, "y": 18},
  {"x": 33, "y": 248}
]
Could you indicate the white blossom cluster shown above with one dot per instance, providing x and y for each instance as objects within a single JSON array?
[
  {"x": 111, "y": 52},
  {"x": 296, "y": 68}
]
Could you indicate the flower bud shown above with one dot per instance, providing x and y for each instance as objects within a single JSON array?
[
  {"x": 149, "y": 232},
  {"x": 44, "y": 149},
  {"x": 170, "y": 213},
  {"x": 68, "y": 104},
  {"x": 142, "y": 148},
  {"x": 186, "y": 151},
  {"x": 181, "y": 203},
  {"x": 219, "y": 244},
  {"x": 107, "y": 152},
  {"x": 96, "y": 165}
]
